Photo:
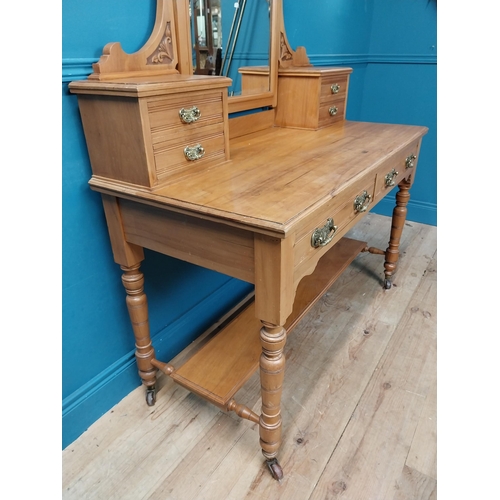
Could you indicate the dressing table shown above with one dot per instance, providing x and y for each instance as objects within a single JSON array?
[{"x": 265, "y": 197}]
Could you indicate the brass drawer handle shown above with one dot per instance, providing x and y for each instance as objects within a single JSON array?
[
  {"x": 335, "y": 88},
  {"x": 333, "y": 110},
  {"x": 321, "y": 236},
  {"x": 410, "y": 161},
  {"x": 389, "y": 178},
  {"x": 194, "y": 152},
  {"x": 362, "y": 201},
  {"x": 189, "y": 115}
]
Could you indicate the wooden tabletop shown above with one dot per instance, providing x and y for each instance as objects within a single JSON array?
[{"x": 278, "y": 176}]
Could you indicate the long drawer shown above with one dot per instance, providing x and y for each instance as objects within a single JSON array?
[
  {"x": 323, "y": 228},
  {"x": 318, "y": 232}
]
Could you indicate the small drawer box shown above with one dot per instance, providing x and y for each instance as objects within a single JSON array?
[
  {"x": 312, "y": 98},
  {"x": 141, "y": 131}
]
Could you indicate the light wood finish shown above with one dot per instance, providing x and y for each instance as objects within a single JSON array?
[
  {"x": 253, "y": 218},
  {"x": 287, "y": 56},
  {"x": 125, "y": 253},
  {"x": 218, "y": 370},
  {"x": 158, "y": 56},
  {"x": 346, "y": 433},
  {"x": 268, "y": 211},
  {"x": 279, "y": 177},
  {"x": 133, "y": 281},
  {"x": 244, "y": 125},
  {"x": 305, "y": 97},
  {"x": 305, "y": 94},
  {"x": 134, "y": 132},
  {"x": 398, "y": 221},
  {"x": 256, "y": 100},
  {"x": 231, "y": 250}
]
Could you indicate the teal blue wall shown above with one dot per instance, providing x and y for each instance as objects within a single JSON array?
[
  {"x": 400, "y": 86},
  {"x": 390, "y": 44}
]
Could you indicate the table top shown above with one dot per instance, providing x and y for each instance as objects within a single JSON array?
[{"x": 278, "y": 176}]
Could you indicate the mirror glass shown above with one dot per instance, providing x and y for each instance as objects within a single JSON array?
[{"x": 228, "y": 35}]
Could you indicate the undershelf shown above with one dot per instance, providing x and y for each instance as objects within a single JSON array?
[{"x": 221, "y": 367}]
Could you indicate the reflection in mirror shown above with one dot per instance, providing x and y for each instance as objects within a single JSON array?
[
  {"x": 206, "y": 32},
  {"x": 227, "y": 35}
]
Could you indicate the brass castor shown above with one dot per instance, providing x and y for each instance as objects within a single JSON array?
[
  {"x": 151, "y": 396},
  {"x": 275, "y": 469},
  {"x": 387, "y": 284}
]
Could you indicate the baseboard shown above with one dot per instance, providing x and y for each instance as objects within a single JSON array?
[{"x": 91, "y": 401}]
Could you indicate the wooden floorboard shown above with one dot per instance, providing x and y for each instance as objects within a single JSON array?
[{"x": 358, "y": 406}]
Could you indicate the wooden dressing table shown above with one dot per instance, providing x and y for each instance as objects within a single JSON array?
[{"x": 265, "y": 198}]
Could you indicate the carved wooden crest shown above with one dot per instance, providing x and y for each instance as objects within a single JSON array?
[{"x": 157, "y": 57}]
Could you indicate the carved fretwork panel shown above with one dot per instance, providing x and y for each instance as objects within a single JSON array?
[
  {"x": 159, "y": 55},
  {"x": 164, "y": 54}
]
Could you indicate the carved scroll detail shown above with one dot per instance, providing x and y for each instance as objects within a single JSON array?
[
  {"x": 164, "y": 53},
  {"x": 285, "y": 54}
]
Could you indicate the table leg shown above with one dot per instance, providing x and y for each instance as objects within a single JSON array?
[
  {"x": 398, "y": 222},
  {"x": 133, "y": 281},
  {"x": 272, "y": 371}
]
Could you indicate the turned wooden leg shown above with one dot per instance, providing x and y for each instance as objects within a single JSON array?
[
  {"x": 398, "y": 222},
  {"x": 133, "y": 281},
  {"x": 272, "y": 371}
]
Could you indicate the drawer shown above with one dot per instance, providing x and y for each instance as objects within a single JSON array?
[
  {"x": 135, "y": 132},
  {"x": 184, "y": 121},
  {"x": 198, "y": 109},
  {"x": 333, "y": 86},
  {"x": 331, "y": 112},
  {"x": 344, "y": 215},
  {"x": 172, "y": 157},
  {"x": 392, "y": 172}
]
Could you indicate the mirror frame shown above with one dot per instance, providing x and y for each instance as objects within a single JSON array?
[
  {"x": 269, "y": 98},
  {"x": 168, "y": 52},
  {"x": 241, "y": 102}
]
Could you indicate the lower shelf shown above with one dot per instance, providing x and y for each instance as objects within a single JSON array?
[{"x": 221, "y": 367}]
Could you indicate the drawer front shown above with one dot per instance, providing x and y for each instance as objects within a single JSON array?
[
  {"x": 331, "y": 112},
  {"x": 198, "y": 109},
  {"x": 333, "y": 87},
  {"x": 344, "y": 215},
  {"x": 173, "y": 157},
  {"x": 392, "y": 172},
  {"x": 193, "y": 120}
]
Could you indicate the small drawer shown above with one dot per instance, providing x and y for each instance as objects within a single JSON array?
[
  {"x": 174, "y": 157},
  {"x": 402, "y": 166},
  {"x": 331, "y": 112},
  {"x": 184, "y": 135},
  {"x": 333, "y": 86},
  {"x": 183, "y": 111}
]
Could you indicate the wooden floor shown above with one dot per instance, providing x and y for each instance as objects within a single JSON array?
[{"x": 358, "y": 407}]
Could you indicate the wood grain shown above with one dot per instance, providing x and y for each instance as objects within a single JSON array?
[
  {"x": 225, "y": 363},
  {"x": 277, "y": 177},
  {"x": 337, "y": 415}
]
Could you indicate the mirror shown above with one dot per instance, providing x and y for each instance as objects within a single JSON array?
[
  {"x": 205, "y": 17},
  {"x": 251, "y": 33},
  {"x": 228, "y": 35}
]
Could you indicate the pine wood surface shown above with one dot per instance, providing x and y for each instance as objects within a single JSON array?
[
  {"x": 358, "y": 404},
  {"x": 278, "y": 177},
  {"x": 219, "y": 369}
]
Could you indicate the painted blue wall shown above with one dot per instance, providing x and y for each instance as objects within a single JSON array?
[
  {"x": 400, "y": 86},
  {"x": 98, "y": 347},
  {"x": 390, "y": 44}
]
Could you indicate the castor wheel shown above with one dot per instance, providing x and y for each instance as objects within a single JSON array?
[
  {"x": 275, "y": 469},
  {"x": 151, "y": 396},
  {"x": 387, "y": 284}
]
